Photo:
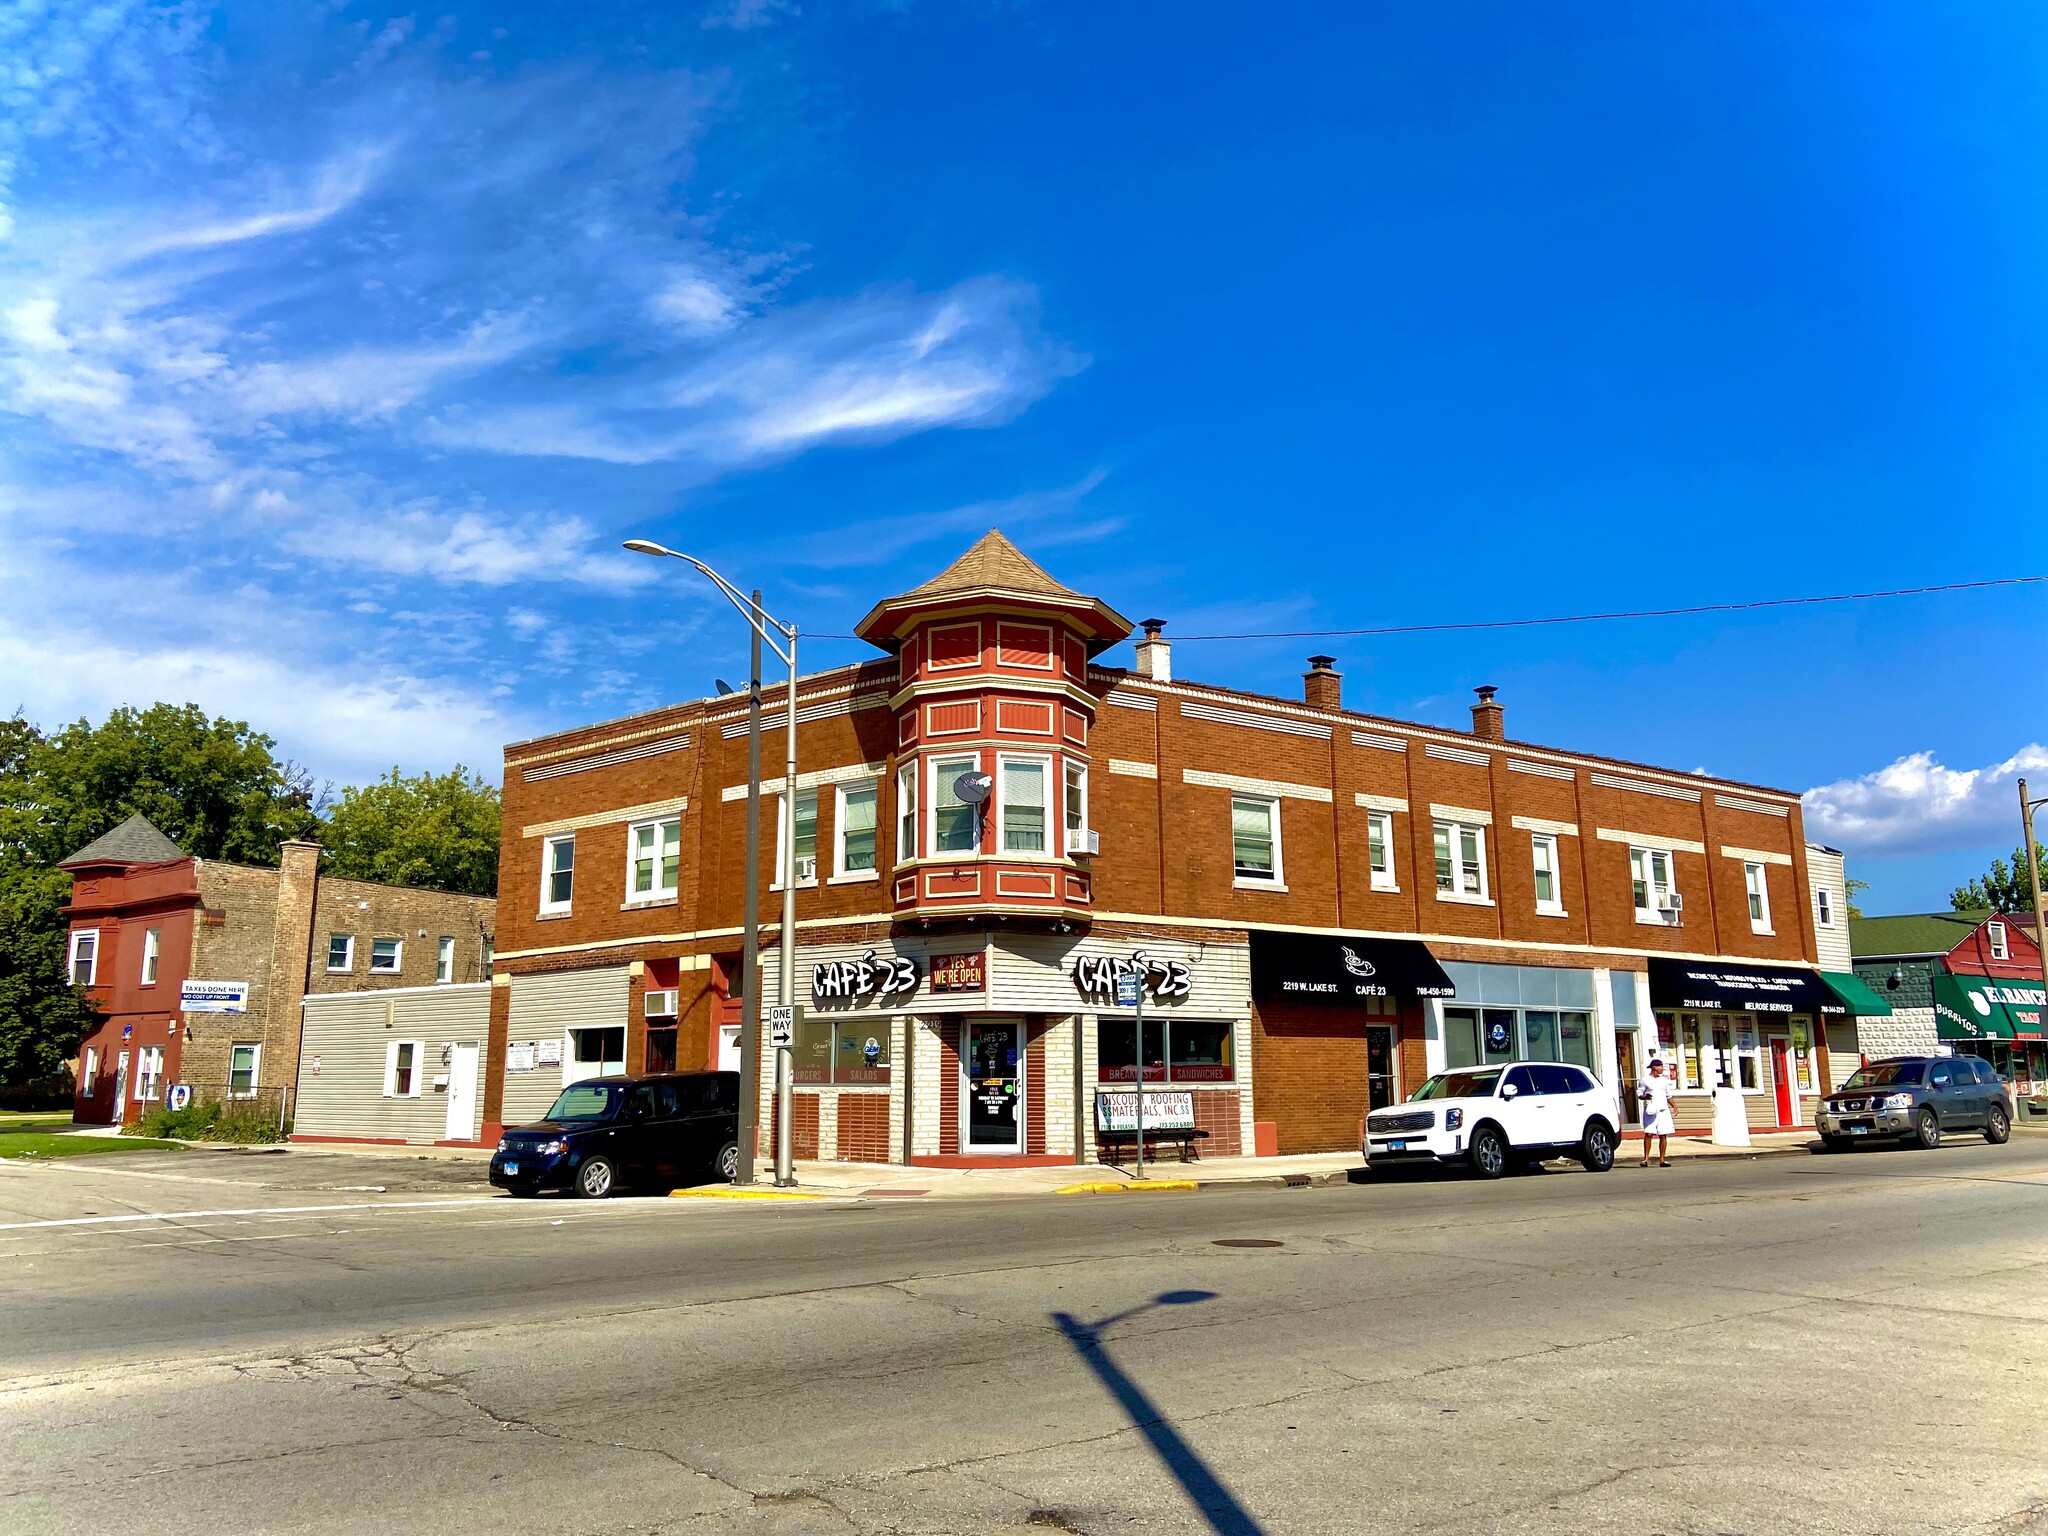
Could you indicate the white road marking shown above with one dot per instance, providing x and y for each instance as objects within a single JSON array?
[{"x": 254, "y": 1210}]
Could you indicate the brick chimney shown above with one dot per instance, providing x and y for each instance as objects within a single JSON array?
[
  {"x": 1487, "y": 716},
  {"x": 1155, "y": 656},
  {"x": 1322, "y": 684},
  {"x": 291, "y": 959}
]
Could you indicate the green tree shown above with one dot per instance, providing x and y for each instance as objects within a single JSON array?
[
  {"x": 213, "y": 786},
  {"x": 2002, "y": 888},
  {"x": 434, "y": 830},
  {"x": 1852, "y": 888}
]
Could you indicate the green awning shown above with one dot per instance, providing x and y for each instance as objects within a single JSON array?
[
  {"x": 1855, "y": 991},
  {"x": 1986, "y": 1008}
]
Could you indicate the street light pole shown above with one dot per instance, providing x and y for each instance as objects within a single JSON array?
[
  {"x": 2027, "y": 808},
  {"x": 766, "y": 630}
]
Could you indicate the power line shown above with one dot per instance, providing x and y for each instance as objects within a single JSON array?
[{"x": 1594, "y": 618}]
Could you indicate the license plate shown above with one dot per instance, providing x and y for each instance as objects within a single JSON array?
[
  {"x": 1397, "y": 1146},
  {"x": 512, "y": 1168},
  {"x": 1859, "y": 1130}
]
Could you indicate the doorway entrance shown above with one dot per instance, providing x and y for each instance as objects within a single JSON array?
[
  {"x": 992, "y": 1085},
  {"x": 1625, "y": 1069},
  {"x": 1781, "y": 1079},
  {"x": 461, "y": 1122},
  {"x": 1379, "y": 1066}
]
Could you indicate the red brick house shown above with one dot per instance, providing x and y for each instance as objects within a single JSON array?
[
  {"x": 199, "y": 965},
  {"x": 1323, "y": 906}
]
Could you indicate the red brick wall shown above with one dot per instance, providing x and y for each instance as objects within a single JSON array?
[
  {"x": 864, "y": 1127},
  {"x": 803, "y": 1123},
  {"x": 1216, "y": 1112},
  {"x": 1311, "y": 1074}
]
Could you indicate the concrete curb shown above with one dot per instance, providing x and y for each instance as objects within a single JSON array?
[
  {"x": 744, "y": 1194},
  {"x": 1128, "y": 1187}
]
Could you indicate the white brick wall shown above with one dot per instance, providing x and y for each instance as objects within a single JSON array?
[
  {"x": 828, "y": 1126},
  {"x": 1059, "y": 1087},
  {"x": 900, "y": 1033},
  {"x": 929, "y": 1084},
  {"x": 1908, "y": 1032}
]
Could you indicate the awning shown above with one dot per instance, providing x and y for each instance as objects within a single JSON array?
[
  {"x": 1725, "y": 988},
  {"x": 1986, "y": 1008},
  {"x": 1342, "y": 969},
  {"x": 1855, "y": 991}
]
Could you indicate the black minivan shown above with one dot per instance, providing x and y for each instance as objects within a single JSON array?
[{"x": 608, "y": 1133}]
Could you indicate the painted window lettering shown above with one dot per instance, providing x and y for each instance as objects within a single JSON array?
[
  {"x": 868, "y": 976},
  {"x": 1096, "y": 975}
]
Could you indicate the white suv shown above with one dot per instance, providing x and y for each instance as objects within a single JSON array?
[{"x": 1493, "y": 1117}]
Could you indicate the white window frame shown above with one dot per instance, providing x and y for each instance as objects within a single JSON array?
[
  {"x": 840, "y": 873},
  {"x": 1756, "y": 885},
  {"x": 152, "y": 954},
  {"x": 574, "y": 1071},
  {"x": 255, "y": 1049},
  {"x": 87, "y": 939},
  {"x": 1823, "y": 907},
  {"x": 931, "y": 823},
  {"x": 89, "y": 1077},
  {"x": 1457, "y": 832},
  {"x": 148, "y": 1083},
  {"x": 1277, "y": 881},
  {"x": 397, "y": 965},
  {"x": 906, "y": 812},
  {"x": 1381, "y": 824},
  {"x": 348, "y": 948},
  {"x": 1544, "y": 859},
  {"x": 444, "y": 960},
  {"x": 419, "y": 1068},
  {"x": 656, "y": 891},
  {"x": 782, "y": 832},
  {"x": 1073, "y": 793},
  {"x": 1002, "y": 816},
  {"x": 2001, "y": 947},
  {"x": 547, "y": 873},
  {"x": 1642, "y": 866}
]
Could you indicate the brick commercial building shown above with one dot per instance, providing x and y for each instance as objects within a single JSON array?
[
  {"x": 1321, "y": 906},
  {"x": 200, "y": 966}
]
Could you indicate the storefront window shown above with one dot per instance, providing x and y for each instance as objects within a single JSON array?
[
  {"x": 1691, "y": 1065},
  {"x": 1575, "y": 1041},
  {"x": 848, "y": 1051},
  {"x": 1176, "y": 1050},
  {"x": 1802, "y": 1034},
  {"x": 1488, "y": 1036}
]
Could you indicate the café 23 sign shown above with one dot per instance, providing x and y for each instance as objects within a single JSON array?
[
  {"x": 869, "y": 976},
  {"x": 1095, "y": 976}
]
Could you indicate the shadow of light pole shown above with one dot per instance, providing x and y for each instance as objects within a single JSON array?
[{"x": 1217, "y": 1503}]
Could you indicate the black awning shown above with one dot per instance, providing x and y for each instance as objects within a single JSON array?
[
  {"x": 1724, "y": 988},
  {"x": 1341, "y": 970}
]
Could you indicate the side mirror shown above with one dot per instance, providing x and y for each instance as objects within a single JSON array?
[{"x": 1509, "y": 1091}]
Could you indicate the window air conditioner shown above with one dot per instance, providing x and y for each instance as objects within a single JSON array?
[
  {"x": 661, "y": 1005},
  {"x": 1671, "y": 905},
  {"x": 1085, "y": 842},
  {"x": 807, "y": 869}
]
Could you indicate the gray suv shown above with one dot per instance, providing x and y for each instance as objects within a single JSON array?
[{"x": 1919, "y": 1098}]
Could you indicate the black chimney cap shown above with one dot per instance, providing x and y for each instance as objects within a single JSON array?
[
  {"x": 1486, "y": 691},
  {"x": 1322, "y": 663}
]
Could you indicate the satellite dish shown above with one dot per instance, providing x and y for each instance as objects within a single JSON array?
[
  {"x": 973, "y": 788},
  {"x": 724, "y": 686}
]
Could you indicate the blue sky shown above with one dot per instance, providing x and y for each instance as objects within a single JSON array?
[{"x": 340, "y": 346}]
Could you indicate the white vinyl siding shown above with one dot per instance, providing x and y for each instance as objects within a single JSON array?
[
  {"x": 547, "y": 1007},
  {"x": 348, "y": 1034}
]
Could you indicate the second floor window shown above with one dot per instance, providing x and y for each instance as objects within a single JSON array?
[
  {"x": 558, "y": 873},
  {"x": 906, "y": 812},
  {"x": 1379, "y": 849},
  {"x": 85, "y": 956},
  {"x": 1995, "y": 932},
  {"x": 857, "y": 833},
  {"x": 1255, "y": 839},
  {"x": 444, "y": 960},
  {"x": 1023, "y": 805},
  {"x": 341, "y": 952},
  {"x": 1076, "y": 803},
  {"x": 386, "y": 956},
  {"x": 1460, "y": 860},
  {"x": 1650, "y": 878},
  {"x": 1543, "y": 855},
  {"x": 152, "y": 949},
  {"x": 657, "y": 848},
  {"x": 806, "y": 837},
  {"x": 1758, "y": 886},
  {"x": 1824, "y": 906},
  {"x": 956, "y": 823}
]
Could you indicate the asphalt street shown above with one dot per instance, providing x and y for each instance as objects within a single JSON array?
[{"x": 1791, "y": 1344}]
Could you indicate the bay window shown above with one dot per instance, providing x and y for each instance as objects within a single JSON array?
[
  {"x": 1076, "y": 803},
  {"x": 906, "y": 812},
  {"x": 1022, "y": 806},
  {"x": 956, "y": 823}
]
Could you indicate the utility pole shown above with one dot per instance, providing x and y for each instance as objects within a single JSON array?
[
  {"x": 2040, "y": 901},
  {"x": 750, "y": 944},
  {"x": 785, "y": 1068}
]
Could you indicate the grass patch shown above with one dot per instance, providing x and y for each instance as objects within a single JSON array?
[
  {"x": 241, "y": 1120},
  {"x": 46, "y": 1139}
]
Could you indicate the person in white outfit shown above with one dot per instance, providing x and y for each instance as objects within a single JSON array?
[{"x": 1655, "y": 1093}]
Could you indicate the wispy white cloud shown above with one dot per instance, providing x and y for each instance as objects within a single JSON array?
[
  {"x": 1917, "y": 804},
  {"x": 1047, "y": 518}
]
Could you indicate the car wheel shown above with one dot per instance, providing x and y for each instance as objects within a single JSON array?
[
  {"x": 596, "y": 1179},
  {"x": 1998, "y": 1126},
  {"x": 1596, "y": 1148},
  {"x": 1927, "y": 1129},
  {"x": 1489, "y": 1152},
  {"x": 726, "y": 1165}
]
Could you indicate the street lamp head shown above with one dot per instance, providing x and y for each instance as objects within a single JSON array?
[{"x": 648, "y": 547}]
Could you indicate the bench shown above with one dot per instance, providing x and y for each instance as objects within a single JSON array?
[{"x": 1115, "y": 1143}]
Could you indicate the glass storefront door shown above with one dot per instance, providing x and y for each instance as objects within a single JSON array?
[{"x": 992, "y": 1067}]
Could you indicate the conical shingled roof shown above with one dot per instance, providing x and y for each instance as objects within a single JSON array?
[
  {"x": 134, "y": 841},
  {"x": 994, "y": 568},
  {"x": 993, "y": 561}
]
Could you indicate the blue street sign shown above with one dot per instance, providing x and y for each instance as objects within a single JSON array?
[{"x": 1127, "y": 989}]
